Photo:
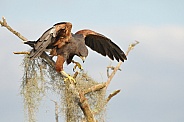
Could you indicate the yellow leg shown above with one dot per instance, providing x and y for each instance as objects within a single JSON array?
[
  {"x": 77, "y": 64},
  {"x": 68, "y": 77}
]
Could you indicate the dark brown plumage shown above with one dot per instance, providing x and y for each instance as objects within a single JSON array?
[
  {"x": 102, "y": 45},
  {"x": 53, "y": 38},
  {"x": 66, "y": 45}
]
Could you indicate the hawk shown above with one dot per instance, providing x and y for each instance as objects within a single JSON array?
[{"x": 65, "y": 45}]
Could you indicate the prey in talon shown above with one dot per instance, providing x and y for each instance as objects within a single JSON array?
[{"x": 65, "y": 45}]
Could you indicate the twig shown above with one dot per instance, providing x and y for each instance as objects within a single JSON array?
[
  {"x": 107, "y": 100},
  {"x": 112, "y": 95},
  {"x": 113, "y": 73},
  {"x": 75, "y": 75},
  {"x": 21, "y": 52},
  {"x": 48, "y": 59},
  {"x": 95, "y": 88},
  {"x": 112, "y": 68},
  {"x": 4, "y": 24},
  {"x": 44, "y": 55},
  {"x": 131, "y": 46}
]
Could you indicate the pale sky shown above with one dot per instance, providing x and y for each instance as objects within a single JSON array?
[{"x": 151, "y": 79}]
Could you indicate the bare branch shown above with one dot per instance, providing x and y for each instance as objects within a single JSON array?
[
  {"x": 86, "y": 108},
  {"x": 113, "y": 94},
  {"x": 44, "y": 55},
  {"x": 113, "y": 73},
  {"x": 4, "y": 24},
  {"x": 95, "y": 88},
  {"x": 48, "y": 59},
  {"x": 75, "y": 75},
  {"x": 131, "y": 46},
  {"x": 112, "y": 68},
  {"x": 107, "y": 100},
  {"x": 22, "y": 52}
]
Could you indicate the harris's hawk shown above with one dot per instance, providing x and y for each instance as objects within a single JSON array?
[{"x": 66, "y": 45}]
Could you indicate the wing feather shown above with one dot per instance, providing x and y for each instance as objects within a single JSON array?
[
  {"x": 42, "y": 43},
  {"x": 102, "y": 45},
  {"x": 56, "y": 36}
]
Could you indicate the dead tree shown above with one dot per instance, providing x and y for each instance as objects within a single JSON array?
[{"x": 77, "y": 94}]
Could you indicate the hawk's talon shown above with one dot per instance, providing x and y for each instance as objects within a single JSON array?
[
  {"x": 77, "y": 64},
  {"x": 68, "y": 77},
  {"x": 71, "y": 79}
]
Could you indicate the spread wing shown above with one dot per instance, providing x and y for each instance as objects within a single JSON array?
[
  {"x": 50, "y": 39},
  {"x": 102, "y": 45}
]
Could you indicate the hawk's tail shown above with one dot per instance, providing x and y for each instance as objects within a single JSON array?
[
  {"x": 37, "y": 50},
  {"x": 33, "y": 53},
  {"x": 30, "y": 43}
]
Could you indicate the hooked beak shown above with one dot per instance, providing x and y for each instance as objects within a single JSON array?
[{"x": 83, "y": 58}]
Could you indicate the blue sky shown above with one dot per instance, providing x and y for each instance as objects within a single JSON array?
[{"x": 152, "y": 77}]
